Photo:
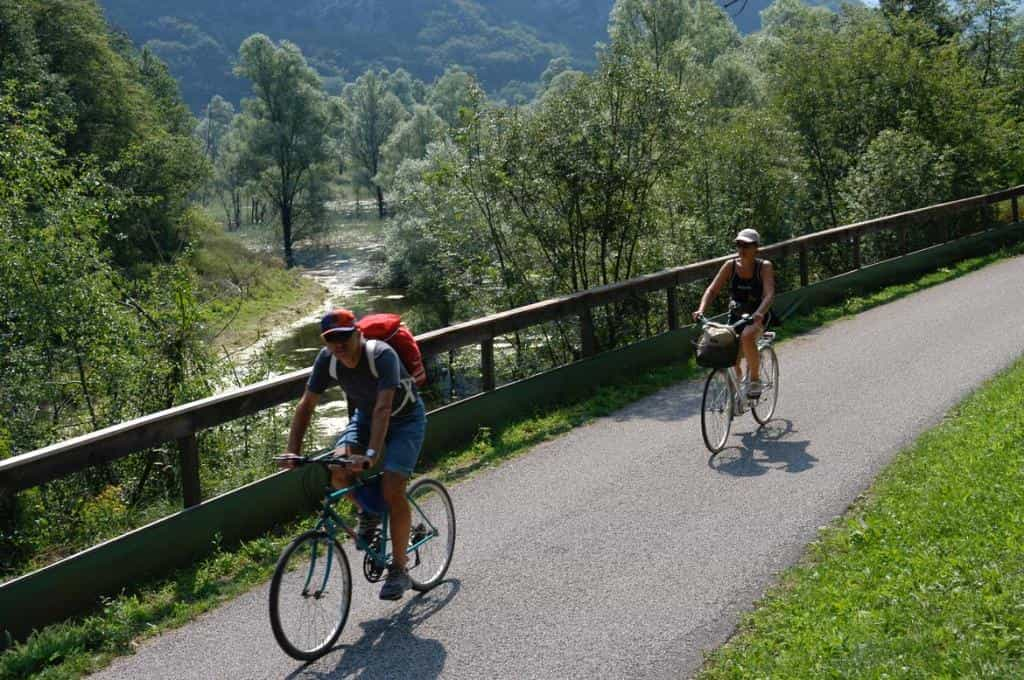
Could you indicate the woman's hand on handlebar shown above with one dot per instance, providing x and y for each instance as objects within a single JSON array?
[{"x": 698, "y": 315}]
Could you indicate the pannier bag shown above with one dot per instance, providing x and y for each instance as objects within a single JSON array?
[{"x": 717, "y": 347}]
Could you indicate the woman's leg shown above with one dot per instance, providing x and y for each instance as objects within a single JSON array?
[{"x": 748, "y": 343}]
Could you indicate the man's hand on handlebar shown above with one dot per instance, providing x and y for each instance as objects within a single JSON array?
[{"x": 288, "y": 461}]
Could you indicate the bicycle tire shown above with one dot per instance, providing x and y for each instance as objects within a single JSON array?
[
  {"x": 287, "y": 623},
  {"x": 764, "y": 409},
  {"x": 717, "y": 385},
  {"x": 431, "y": 506}
]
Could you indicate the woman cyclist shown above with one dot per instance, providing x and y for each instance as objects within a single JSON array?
[{"x": 752, "y": 288}]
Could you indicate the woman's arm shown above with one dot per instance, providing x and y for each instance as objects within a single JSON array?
[
  {"x": 716, "y": 285},
  {"x": 768, "y": 278}
]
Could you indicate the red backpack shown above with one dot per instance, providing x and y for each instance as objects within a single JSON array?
[{"x": 390, "y": 329}]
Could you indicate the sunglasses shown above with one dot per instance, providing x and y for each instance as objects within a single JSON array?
[{"x": 744, "y": 244}]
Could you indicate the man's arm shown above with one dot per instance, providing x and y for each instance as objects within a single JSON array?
[
  {"x": 381, "y": 419},
  {"x": 300, "y": 421}
]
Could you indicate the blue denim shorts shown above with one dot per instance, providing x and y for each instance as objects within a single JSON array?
[{"x": 402, "y": 444}]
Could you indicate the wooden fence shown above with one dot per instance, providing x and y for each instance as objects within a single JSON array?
[{"x": 181, "y": 423}]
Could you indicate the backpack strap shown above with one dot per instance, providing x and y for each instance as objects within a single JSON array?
[
  {"x": 334, "y": 368},
  {"x": 371, "y": 361}
]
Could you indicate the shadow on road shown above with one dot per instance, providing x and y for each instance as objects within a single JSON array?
[
  {"x": 389, "y": 647},
  {"x": 765, "y": 449},
  {"x": 678, "y": 402}
]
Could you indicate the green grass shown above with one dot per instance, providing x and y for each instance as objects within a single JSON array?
[
  {"x": 73, "y": 648},
  {"x": 922, "y": 578},
  {"x": 247, "y": 294}
]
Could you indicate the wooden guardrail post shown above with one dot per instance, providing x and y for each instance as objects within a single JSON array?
[
  {"x": 903, "y": 240},
  {"x": 188, "y": 455},
  {"x": 1015, "y": 209},
  {"x": 673, "y": 307},
  {"x": 856, "y": 250},
  {"x": 588, "y": 339},
  {"x": 803, "y": 265},
  {"x": 487, "y": 363}
]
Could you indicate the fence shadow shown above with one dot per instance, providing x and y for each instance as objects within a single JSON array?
[
  {"x": 389, "y": 646},
  {"x": 771, "y": 447}
]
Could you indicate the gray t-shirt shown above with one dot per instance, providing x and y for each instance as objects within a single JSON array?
[{"x": 359, "y": 385}]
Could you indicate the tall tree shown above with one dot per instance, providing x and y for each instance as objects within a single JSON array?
[
  {"x": 214, "y": 125},
  {"x": 374, "y": 112},
  {"x": 285, "y": 128},
  {"x": 456, "y": 90},
  {"x": 409, "y": 141}
]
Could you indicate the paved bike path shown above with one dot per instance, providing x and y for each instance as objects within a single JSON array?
[{"x": 622, "y": 550}]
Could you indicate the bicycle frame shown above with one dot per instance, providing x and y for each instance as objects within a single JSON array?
[
  {"x": 736, "y": 391},
  {"x": 330, "y": 521}
]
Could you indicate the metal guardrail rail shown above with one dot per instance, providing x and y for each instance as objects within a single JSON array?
[{"x": 181, "y": 423}]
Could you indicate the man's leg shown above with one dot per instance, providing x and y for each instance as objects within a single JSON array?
[
  {"x": 402, "y": 450},
  {"x": 393, "y": 488}
]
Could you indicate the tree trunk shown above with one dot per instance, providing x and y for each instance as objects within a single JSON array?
[
  {"x": 380, "y": 203},
  {"x": 286, "y": 233}
]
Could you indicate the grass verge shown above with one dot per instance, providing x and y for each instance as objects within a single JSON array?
[
  {"x": 248, "y": 294},
  {"x": 76, "y": 647},
  {"x": 922, "y": 578}
]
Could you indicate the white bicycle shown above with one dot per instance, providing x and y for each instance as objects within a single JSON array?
[{"x": 725, "y": 396}]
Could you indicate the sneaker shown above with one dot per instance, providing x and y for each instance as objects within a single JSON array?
[
  {"x": 395, "y": 584},
  {"x": 754, "y": 389},
  {"x": 366, "y": 528}
]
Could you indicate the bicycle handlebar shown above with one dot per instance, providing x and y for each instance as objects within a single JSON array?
[
  {"x": 708, "y": 322},
  {"x": 326, "y": 462}
]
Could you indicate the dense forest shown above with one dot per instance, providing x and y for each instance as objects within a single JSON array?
[
  {"x": 505, "y": 44},
  {"x": 682, "y": 132}
]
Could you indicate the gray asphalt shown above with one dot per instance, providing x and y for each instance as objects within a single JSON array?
[{"x": 622, "y": 549}]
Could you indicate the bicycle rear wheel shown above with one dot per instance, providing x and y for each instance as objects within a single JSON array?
[
  {"x": 432, "y": 539},
  {"x": 310, "y": 595},
  {"x": 764, "y": 409},
  {"x": 716, "y": 410}
]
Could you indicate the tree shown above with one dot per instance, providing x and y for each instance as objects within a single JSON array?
[
  {"x": 989, "y": 34},
  {"x": 374, "y": 113},
  {"x": 285, "y": 128},
  {"x": 214, "y": 126},
  {"x": 409, "y": 141},
  {"x": 455, "y": 91},
  {"x": 673, "y": 32},
  {"x": 410, "y": 91}
]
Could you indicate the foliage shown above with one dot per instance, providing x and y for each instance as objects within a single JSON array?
[
  {"x": 373, "y": 113},
  {"x": 409, "y": 141},
  {"x": 454, "y": 93},
  {"x": 284, "y": 128},
  {"x": 116, "y": 104}
]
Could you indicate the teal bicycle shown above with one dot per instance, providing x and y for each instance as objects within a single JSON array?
[{"x": 311, "y": 591}]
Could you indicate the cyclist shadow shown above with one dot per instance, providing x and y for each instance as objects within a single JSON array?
[
  {"x": 389, "y": 647},
  {"x": 765, "y": 449}
]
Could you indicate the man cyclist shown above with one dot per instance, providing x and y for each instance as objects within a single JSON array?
[
  {"x": 387, "y": 415},
  {"x": 752, "y": 289}
]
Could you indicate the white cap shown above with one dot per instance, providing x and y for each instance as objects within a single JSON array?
[{"x": 748, "y": 236}]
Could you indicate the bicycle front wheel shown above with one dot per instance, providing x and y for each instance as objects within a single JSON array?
[
  {"x": 432, "y": 539},
  {"x": 716, "y": 410},
  {"x": 310, "y": 595},
  {"x": 764, "y": 409}
]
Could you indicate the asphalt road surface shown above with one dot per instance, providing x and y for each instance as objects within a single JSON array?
[{"x": 622, "y": 549}]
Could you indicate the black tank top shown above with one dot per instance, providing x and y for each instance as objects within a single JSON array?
[{"x": 746, "y": 293}]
